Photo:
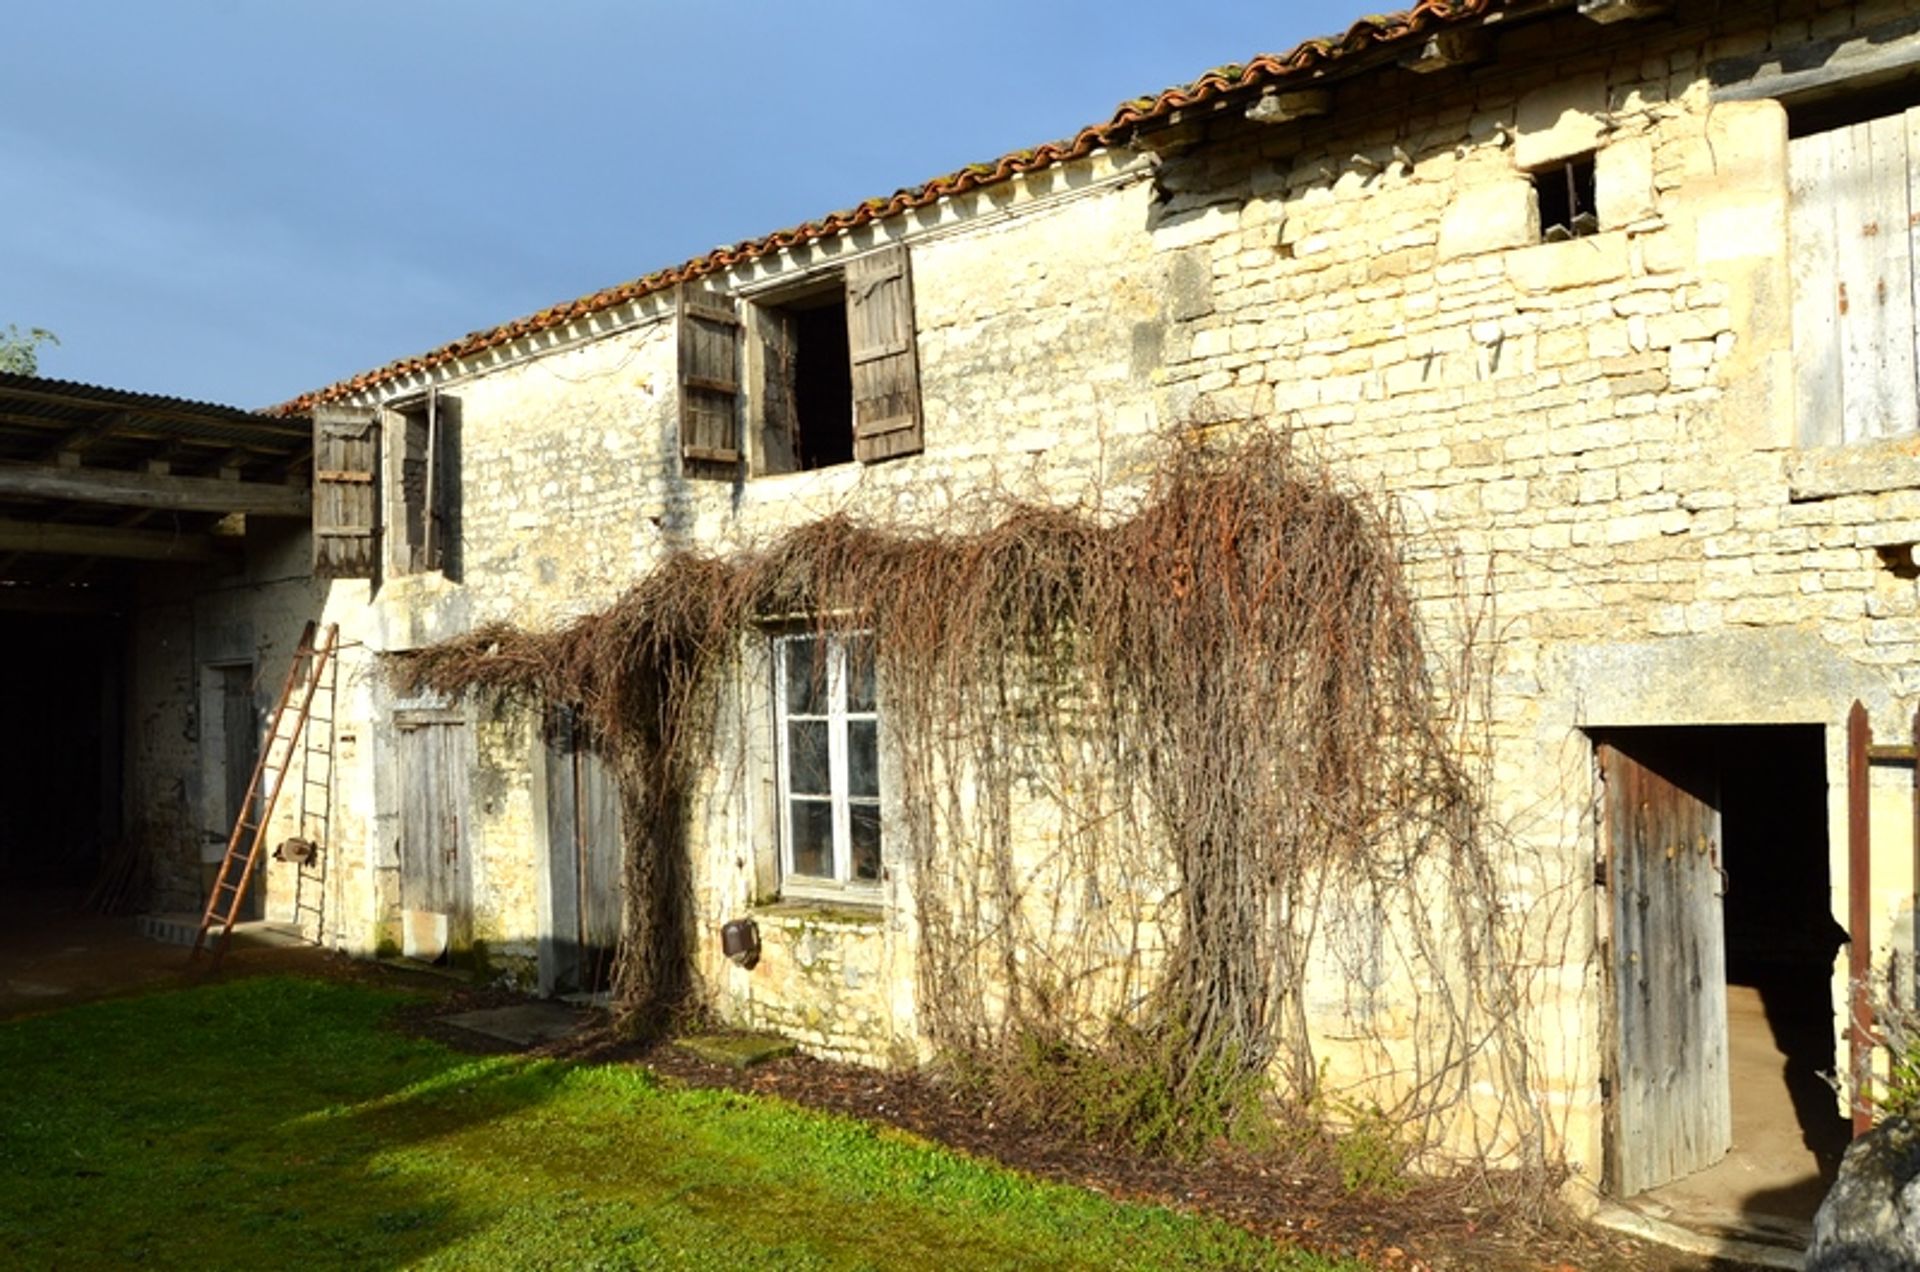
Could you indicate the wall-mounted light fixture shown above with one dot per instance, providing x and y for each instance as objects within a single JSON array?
[{"x": 740, "y": 941}]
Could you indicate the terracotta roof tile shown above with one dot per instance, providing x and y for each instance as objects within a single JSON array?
[{"x": 1304, "y": 60}]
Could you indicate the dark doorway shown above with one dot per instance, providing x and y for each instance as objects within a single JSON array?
[
  {"x": 239, "y": 753},
  {"x": 1760, "y": 798},
  {"x": 61, "y": 697}
]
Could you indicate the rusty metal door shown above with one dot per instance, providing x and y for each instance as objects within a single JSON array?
[
  {"x": 433, "y": 809},
  {"x": 1671, "y": 1111}
]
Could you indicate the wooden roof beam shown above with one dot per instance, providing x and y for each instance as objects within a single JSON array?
[
  {"x": 1605, "y": 11},
  {"x": 117, "y": 542},
  {"x": 152, "y": 490}
]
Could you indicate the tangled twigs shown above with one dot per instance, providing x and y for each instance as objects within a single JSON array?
[{"x": 1154, "y": 773}]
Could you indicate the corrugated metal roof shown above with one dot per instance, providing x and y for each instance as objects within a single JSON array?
[
  {"x": 1305, "y": 62},
  {"x": 37, "y": 408}
]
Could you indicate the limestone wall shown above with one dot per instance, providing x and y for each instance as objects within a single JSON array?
[{"x": 1590, "y": 444}]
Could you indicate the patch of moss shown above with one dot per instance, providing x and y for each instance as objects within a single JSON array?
[{"x": 738, "y": 1051}]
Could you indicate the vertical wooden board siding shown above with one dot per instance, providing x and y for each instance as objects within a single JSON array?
[
  {"x": 346, "y": 451},
  {"x": 1672, "y": 1113},
  {"x": 1869, "y": 186},
  {"x": 584, "y": 854},
  {"x": 1816, "y": 340},
  {"x": 1898, "y": 410},
  {"x": 433, "y": 801},
  {"x": 880, "y": 343},
  {"x": 562, "y": 837},
  {"x": 709, "y": 377},
  {"x": 601, "y": 851}
]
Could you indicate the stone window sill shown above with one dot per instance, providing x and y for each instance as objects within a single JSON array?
[{"x": 800, "y": 911}]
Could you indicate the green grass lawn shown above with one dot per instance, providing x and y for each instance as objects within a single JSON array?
[{"x": 275, "y": 1123}]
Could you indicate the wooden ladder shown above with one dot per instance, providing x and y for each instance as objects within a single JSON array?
[{"x": 310, "y": 661}]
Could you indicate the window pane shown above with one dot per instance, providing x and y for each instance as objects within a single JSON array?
[
  {"x": 808, "y": 772},
  {"x": 806, "y": 676},
  {"x": 859, "y": 673},
  {"x": 812, "y": 823},
  {"x": 863, "y": 759},
  {"x": 866, "y": 841}
]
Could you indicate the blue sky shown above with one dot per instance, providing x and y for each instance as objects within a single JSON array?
[{"x": 240, "y": 200}]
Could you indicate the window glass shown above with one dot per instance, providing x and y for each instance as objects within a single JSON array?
[
  {"x": 865, "y": 834},
  {"x": 809, "y": 766},
  {"x": 812, "y": 828},
  {"x": 806, "y": 676},
  {"x": 863, "y": 759},
  {"x": 859, "y": 673}
]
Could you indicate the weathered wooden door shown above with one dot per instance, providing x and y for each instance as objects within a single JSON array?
[
  {"x": 1671, "y": 1105},
  {"x": 434, "y": 895},
  {"x": 584, "y": 853}
]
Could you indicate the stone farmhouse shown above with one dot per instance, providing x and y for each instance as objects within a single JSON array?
[{"x": 1611, "y": 301}]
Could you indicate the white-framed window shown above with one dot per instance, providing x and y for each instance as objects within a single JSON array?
[{"x": 828, "y": 727}]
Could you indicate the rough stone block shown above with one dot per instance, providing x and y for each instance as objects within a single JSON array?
[
  {"x": 1560, "y": 121},
  {"x": 1490, "y": 218},
  {"x": 1623, "y": 182}
]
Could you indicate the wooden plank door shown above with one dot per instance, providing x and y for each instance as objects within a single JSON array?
[
  {"x": 584, "y": 852},
  {"x": 433, "y": 849},
  {"x": 1671, "y": 1107}
]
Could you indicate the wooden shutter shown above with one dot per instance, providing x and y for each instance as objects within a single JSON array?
[
  {"x": 709, "y": 380},
  {"x": 776, "y": 336},
  {"x": 886, "y": 371},
  {"x": 443, "y": 418},
  {"x": 1855, "y": 193},
  {"x": 346, "y": 506}
]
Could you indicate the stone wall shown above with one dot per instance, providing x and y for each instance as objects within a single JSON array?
[{"x": 1589, "y": 443}]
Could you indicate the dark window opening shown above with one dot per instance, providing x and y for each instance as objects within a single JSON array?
[
  {"x": 805, "y": 413},
  {"x": 1567, "y": 206},
  {"x": 823, "y": 384}
]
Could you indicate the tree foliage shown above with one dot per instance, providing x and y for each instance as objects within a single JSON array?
[{"x": 20, "y": 350}]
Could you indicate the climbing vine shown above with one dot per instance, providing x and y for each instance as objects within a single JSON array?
[{"x": 1164, "y": 778}]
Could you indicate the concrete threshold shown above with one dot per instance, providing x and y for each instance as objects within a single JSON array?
[{"x": 1621, "y": 1218}]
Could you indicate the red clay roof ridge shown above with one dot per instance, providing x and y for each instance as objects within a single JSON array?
[{"x": 1304, "y": 60}]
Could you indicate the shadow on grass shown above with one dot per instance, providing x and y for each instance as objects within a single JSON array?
[{"x": 257, "y": 1123}]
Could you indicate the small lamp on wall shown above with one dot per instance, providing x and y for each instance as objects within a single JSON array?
[
  {"x": 300, "y": 852},
  {"x": 740, "y": 941}
]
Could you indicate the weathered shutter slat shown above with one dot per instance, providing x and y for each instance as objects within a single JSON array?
[
  {"x": 709, "y": 380},
  {"x": 886, "y": 368},
  {"x": 776, "y": 337},
  {"x": 346, "y": 511},
  {"x": 1816, "y": 285}
]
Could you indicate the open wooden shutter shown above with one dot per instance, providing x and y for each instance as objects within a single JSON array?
[
  {"x": 443, "y": 418},
  {"x": 886, "y": 370},
  {"x": 346, "y": 506},
  {"x": 1855, "y": 195},
  {"x": 709, "y": 380}
]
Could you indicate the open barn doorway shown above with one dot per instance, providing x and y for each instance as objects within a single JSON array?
[
  {"x": 60, "y": 752},
  {"x": 1722, "y": 946}
]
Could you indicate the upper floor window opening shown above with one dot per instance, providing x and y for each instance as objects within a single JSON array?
[
  {"x": 1568, "y": 202},
  {"x": 809, "y": 376}
]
